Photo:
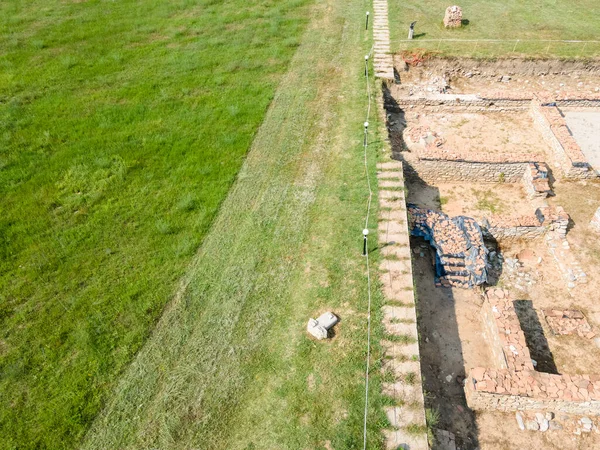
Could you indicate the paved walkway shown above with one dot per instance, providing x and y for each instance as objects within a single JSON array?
[
  {"x": 383, "y": 62},
  {"x": 401, "y": 360}
]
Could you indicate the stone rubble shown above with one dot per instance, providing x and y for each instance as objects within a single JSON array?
[
  {"x": 565, "y": 322},
  {"x": 453, "y": 17}
]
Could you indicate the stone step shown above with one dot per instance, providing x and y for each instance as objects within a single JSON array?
[
  {"x": 402, "y": 416},
  {"x": 399, "y": 369},
  {"x": 390, "y": 165},
  {"x": 399, "y": 313},
  {"x": 410, "y": 394},
  {"x": 398, "y": 350},
  {"x": 401, "y": 329},
  {"x": 403, "y": 440}
]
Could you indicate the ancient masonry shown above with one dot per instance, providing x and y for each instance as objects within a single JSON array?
[
  {"x": 514, "y": 384},
  {"x": 401, "y": 366},
  {"x": 382, "y": 59}
]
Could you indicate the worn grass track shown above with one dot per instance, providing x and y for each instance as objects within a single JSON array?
[{"x": 229, "y": 365}]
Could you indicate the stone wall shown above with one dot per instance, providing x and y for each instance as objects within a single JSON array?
[
  {"x": 554, "y": 129},
  {"x": 500, "y": 100},
  {"x": 535, "y": 180},
  {"x": 500, "y": 389},
  {"x": 530, "y": 226},
  {"x": 435, "y": 171},
  {"x": 514, "y": 384}
]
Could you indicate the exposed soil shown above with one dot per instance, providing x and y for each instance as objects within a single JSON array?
[
  {"x": 469, "y": 133},
  {"x": 450, "y": 330},
  {"x": 476, "y": 200},
  {"x": 472, "y": 76}
]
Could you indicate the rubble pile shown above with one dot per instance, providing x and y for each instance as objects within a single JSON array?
[
  {"x": 461, "y": 256},
  {"x": 563, "y": 322},
  {"x": 453, "y": 17}
]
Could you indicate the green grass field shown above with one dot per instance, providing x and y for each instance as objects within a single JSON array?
[
  {"x": 230, "y": 365},
  {"x": 122, "y": 127},
  {"x": 511, "y": 20}
]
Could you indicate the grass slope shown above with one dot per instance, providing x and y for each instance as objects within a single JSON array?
[
  {"x": 122, "y": 126},
  {"x": 230, "y": 365},
  {"x": 507, "y": 19}
]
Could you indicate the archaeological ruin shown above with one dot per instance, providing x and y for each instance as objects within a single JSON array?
[{"x": 501, "y": 210}]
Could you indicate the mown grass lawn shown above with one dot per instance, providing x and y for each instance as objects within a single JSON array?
[
  {"x": 504, "y": 20},
  {"x": 230, "y": 365},
  {"x": 122, "y": 127}
]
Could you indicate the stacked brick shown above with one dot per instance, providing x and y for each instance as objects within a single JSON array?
[
  {"x": 439, "y": 170},
  {"x": 435, "y": 151},
  {"x": 461, "y": 256},
  {"x": 515, "y": 385},
  {"x": 536, "y": 180},
  {"x": 529, "y": 390},
  {"x": 453, "y": 17},
  {"x": 565, "y": 322}
]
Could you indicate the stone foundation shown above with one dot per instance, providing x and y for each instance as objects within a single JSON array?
[
  {"x": 535, "y": 180},
  {"x": 514, "y": 385},
  {"x": 532, "y": 226},
  {"x": 435, "y": 171},
  {"x": 554, "y": 129}
]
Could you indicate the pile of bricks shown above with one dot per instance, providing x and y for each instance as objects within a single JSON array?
[
  {"x": 461, "y": 254},
  {"x": 536, "y": 180},
  {"x": 453, "y": 17},
  {"x": 556, "y": 218},
  {"x": 564, "y": 322}
]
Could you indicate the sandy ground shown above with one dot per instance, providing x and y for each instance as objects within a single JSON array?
[
  {"x": 477, "y": 200},
  {"x": 585, "y": 127},
  {"x": 473, "y": 134}
]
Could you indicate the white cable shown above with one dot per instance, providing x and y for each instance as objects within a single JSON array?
[{"x": 365, "y": 145}]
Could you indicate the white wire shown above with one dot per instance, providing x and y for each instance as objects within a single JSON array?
[{"x": 365, "y": 144}]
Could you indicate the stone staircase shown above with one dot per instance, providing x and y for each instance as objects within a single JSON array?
[{"x": 401, "y": 365}]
